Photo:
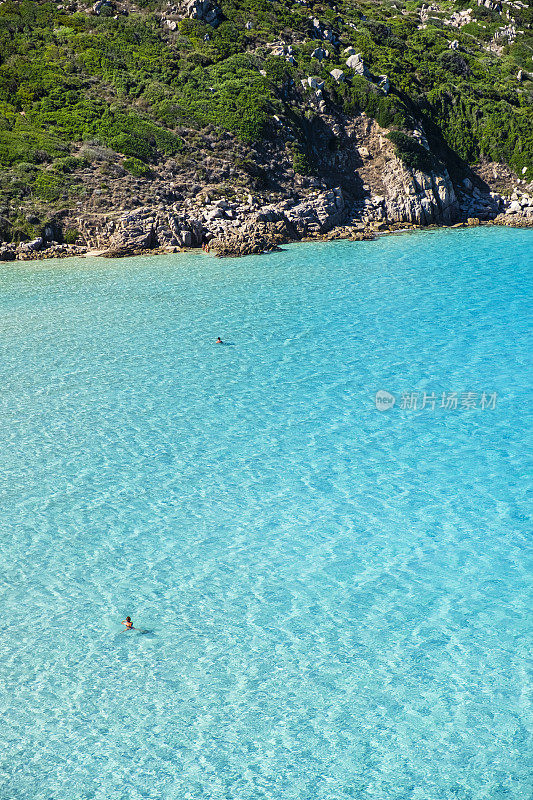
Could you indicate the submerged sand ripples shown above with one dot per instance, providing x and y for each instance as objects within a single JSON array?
[{"x": 335, "y": 599}]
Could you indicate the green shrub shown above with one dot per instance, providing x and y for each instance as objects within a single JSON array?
[
  {"x": 26, "y": 170},
  {"x": 231, "y": 94},
  {"x": 21, "y": 230},
  {"x": 131, "y": 145},
  {"x": 277, "y": 70},
  {"x": 300, "y": 161},
  {"x": 20, "y": 145},
  {"x": 362, "y": 95},
  {"x": 137, "y": 168},
  {"x": 68, "y": 164},
  {"x": 410, "y": 151},
  {"x": 107, "y": 10},
  {"x": 454, "y": 63},
  {"x": 48, "y": 186},
  {"x": 71, "y": 236}
]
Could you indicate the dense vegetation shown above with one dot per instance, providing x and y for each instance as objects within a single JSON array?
[{"x": 74, "y": 82}]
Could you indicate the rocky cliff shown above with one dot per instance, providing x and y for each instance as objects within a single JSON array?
[
  {"x": 382, "y": 194},
  {"x": 220, "y": 124}
]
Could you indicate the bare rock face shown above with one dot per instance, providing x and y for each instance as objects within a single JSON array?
[
  {"x": 518, "y": 211},
  {"x": 391, "y": 192},
  {"x": 318, "y": 214},
  {"x": 459, "y": 18},
  {"x": 273, "y": 225},
  {"x": 253, "y": 238},
  {"x": 319, "y": 31},
  {"x": 141, "y": 230},
  {"x": 319, "y": 53},
  {"x": 34, "y": 245},
  {"x": 492, "y": 5},
  {"x": 356, "y": 63},
  {"x": 523, "y": 220},
  {"x": 416, "y": 197},
  {"x": 177, "y": 230},
  {"x": 204, "y": 10},
  {"x": 384, "y": 83},
  {"x": 133, "y": 233}
]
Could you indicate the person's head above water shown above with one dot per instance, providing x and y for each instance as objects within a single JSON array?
[
  {"x": 219, "y": 340},
  {"x": 128, "y": 619}
]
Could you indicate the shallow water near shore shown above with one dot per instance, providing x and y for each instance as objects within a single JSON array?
[{"x": 336, "y": 599}]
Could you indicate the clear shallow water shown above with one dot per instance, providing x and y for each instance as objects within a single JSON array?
[{"x": 337, "y": 599}]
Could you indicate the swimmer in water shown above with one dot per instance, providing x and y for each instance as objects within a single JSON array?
[
  {"x": 219, "y": 340},
  {"x": 128, "y": 623}
]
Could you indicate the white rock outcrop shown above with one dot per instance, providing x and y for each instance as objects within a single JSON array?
[
  {"x": 356, "y": 63},
  {"x": 204, "y": 10}
]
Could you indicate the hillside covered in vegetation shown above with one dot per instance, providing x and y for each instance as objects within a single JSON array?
[{"x": 113, "y": 104}]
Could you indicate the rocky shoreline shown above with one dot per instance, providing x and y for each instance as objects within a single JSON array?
[
  {"x": 260, "y": 241},
  {"x": 257, "y": 240},
  {"x": 248, "y": 226}
]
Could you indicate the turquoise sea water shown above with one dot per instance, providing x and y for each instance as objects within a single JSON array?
[{"x": 337, "y": 599}]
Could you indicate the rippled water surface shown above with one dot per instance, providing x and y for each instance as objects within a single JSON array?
[{"x": 333, "y": 601}]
